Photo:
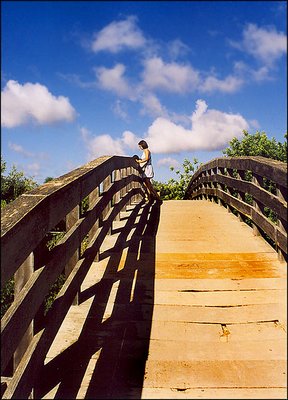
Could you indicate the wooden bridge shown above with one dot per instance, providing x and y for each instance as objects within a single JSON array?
[{"x": 185, "y": 299}]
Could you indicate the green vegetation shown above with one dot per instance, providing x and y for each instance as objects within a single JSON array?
[
  {"x": 175, "y": 188},
  {"x": 13, "y": 184},
  {"x": 53, "y": 292},
  {"x": 7, "y": 296},
  {"x": 257, "y": 145},
  {"x": 48, "y": 179}
]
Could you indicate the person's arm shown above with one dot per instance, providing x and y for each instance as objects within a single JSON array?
[{"x": 147, "y": 156}]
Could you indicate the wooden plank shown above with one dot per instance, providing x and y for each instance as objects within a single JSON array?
[
  {"x": 208, "y": 393},
  {"x": 240, "y": 315},
  {"x": 216, "y": 374},
  {"x": 220, "y": 284},
  {"x": 219, "y": 298},
  {"x": 195, "y": 337},
  {"x": 176, "y": 350}
]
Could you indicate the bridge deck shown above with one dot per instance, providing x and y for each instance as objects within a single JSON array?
[{"x": 196, "y": 311}]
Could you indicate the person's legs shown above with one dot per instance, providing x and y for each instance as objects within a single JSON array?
[
  {"x": 152, "y": 192},
  {"x": 149, "y": 194}
]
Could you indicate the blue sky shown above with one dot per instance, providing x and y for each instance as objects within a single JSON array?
[{"x": 84, "y": 79}]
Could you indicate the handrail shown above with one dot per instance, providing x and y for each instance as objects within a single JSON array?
[
  {"x": 108, "y": 184},
  {"x": 241, "y": 185}
]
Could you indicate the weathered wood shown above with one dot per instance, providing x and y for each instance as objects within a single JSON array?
[
  {"x": 61, "y": 306},
  {"x": 55, "y": 201},
  {"x": 21, "y": 277},
  {"x": 40, "y": 210},
  {"x": 190, "y": 284},
  {"x": 272, "y": 230},
  {"x": 71, "y": 219},
  {"x": 26, "y": 224},
  {"x": 269, "y": 199},
  {"x": 117, "y": 196},
  {"x": 229, "y": 175},
  {"x": 15, "y": 322},
  {"x": 271, "y": 169},
  {"x": 26, "y": 370}
]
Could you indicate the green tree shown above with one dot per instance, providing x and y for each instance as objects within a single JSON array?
[
  {"x": 14, "y": 184},
  {"x": 257, "y": 144},
  {"x": 175, "y": 187},
  {"x": 48, "y": 179}
]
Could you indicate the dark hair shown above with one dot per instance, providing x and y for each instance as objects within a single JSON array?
[{"x": 143, "y": 144}]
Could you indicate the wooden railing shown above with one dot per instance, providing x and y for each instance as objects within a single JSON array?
[
  {"x": 80, "y": 207},
  {"x": 255, "y": 188}
]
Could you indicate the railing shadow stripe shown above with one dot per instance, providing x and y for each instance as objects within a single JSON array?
[
  {"x": 95, "y": 335},
  {"x": 42, "y": 209}
]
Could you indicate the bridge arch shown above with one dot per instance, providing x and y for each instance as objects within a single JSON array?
[
  {"x": 255, "y": 188},
  {"x": 81, "y": 207}
]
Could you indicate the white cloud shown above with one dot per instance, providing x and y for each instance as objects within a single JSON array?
[
  {"x": 118, "y": 110},
  {"x": 261, "y": 74},
  {"x": 177, "y": 48},
  {"x": 254, "y": 124},
  {"x": 245, "y": 71},
  {"x": 19, "y": 149},
  {"x": 228, "y": 85},
  {"x": 201, "y": 108},
  {"x": 118, "y": 36},
  {"x": 33, "y": 169},
  {"x": 27, "y": 154},
  {"x": 105, "y": 144},
  {"x": 172, "y": 77},
  {"x": 152, "y": 106},
  {"x": 130, "y": 140},
  {"x": 210, "y": 130},
  {"x": 76, "y": 80},
  {"x": 168, "y": 162},
  {"x": 265, "y": 44},
  {"x": 32, "y": 102},
  {"x": 113, "y": 79}
]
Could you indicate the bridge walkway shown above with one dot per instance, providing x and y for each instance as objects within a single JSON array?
[{"x": 184, "y": 302}]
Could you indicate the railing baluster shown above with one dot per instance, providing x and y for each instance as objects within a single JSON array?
[
  {"x": 233, "y": 189},
  {"x": 106, "y": 185},
  {"x": 117, "y": 195},
  {"x": 21, "y": 277},
  {"x": 71, "y": 220}
]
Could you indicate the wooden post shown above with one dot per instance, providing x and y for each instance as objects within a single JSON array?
[
  {"x": 124, "y": 189},
  {"x": 40, "y": 253},
  {"x": 240, "y": 195},
  {"x": 258, "y": 181},
  {"x": 71, "y": 220},
  {"x": 117, "y": 195},
  {"x": 281, "y": 193},
  {"x": 130, "y": 185},
  {"x": 106, "y": 185},
  {"x": 21, "y": 278},
  {"x": 93, "y": 197}
]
